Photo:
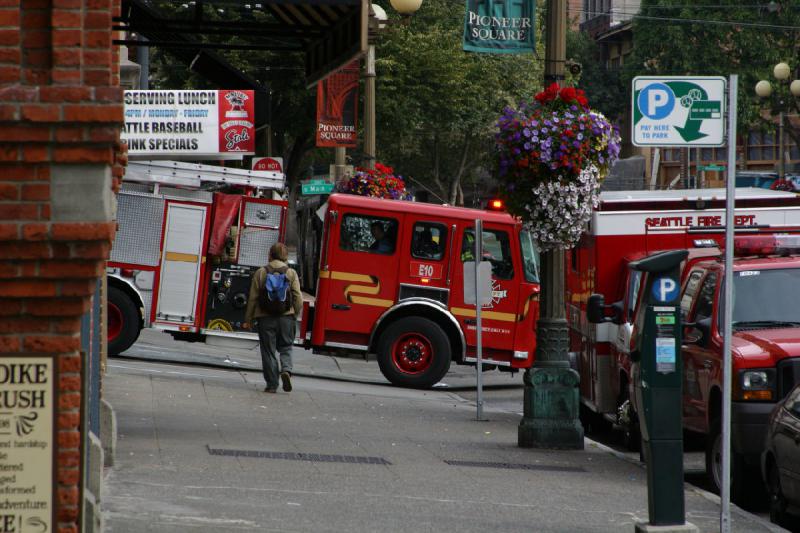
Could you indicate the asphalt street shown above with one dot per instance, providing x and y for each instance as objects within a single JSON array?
[{"x": 204, "y": 449}]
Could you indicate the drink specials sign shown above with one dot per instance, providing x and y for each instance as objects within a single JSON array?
[
  {"x": 27, "y": 430},
  {"x": 189, "y": 124},
  {"x": 500, "y": 26}
]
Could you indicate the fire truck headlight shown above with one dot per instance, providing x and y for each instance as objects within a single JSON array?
[
  {"x": 520, "y": 355},
  {"x": 756, "y": 385}
]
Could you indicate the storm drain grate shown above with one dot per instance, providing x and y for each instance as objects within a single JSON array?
[
  {"x": 517, "y": 466},
  {"x": 295, "y": 456}
]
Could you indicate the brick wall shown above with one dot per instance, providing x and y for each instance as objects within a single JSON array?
[{"x": 60, "y": 163}]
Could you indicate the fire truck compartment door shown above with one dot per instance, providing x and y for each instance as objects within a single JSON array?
[{"x": 181, "y": 260}]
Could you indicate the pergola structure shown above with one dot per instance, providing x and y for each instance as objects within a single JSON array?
[{"x": 330, "y": 33}]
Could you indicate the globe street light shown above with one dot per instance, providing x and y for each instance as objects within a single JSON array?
[{"x": 781, "y": 72}]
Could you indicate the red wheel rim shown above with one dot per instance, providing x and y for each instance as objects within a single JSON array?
[
  {"x": 412, "y": 353},
  {"x": 114, "y": 321}
]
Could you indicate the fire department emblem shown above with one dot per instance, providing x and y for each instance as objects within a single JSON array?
[{"x": 497, "y": 294}]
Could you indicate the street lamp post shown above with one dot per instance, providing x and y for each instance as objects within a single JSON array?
[
  {"x": 377, "y": 22},
  {"x": 782, "y": 72},
  {"x": 551, "y": 402}
]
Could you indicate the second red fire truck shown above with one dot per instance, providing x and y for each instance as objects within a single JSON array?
[
  {"x": 189, "y": 237},
  {"x": 628, "y": 226}
]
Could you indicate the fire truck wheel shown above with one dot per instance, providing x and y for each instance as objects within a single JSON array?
[
  {"x": 123, "y": 321},
  {"x": 414, "y": 352}
]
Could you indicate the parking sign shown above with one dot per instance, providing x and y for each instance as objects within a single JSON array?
[{"x": 678, "y": 111}]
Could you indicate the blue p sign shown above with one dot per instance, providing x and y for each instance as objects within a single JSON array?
[
  {"x": 656, "y": 101},
  {"x": 665, "y": 289}
]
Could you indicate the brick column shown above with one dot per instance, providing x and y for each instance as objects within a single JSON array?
[{"x": 60, "y": 165}]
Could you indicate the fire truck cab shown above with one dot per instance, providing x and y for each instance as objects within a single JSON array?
[
  {"x": 189, "y": 237},
  {"x": 391, "y": 283},
  {"x": 626, "y": 226}
]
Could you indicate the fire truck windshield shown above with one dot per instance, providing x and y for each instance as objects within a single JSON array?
[
  {"x": 766, "y": 298},
  {"x": 530, "y": 257}
]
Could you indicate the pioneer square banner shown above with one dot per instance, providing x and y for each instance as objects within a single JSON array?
[
  {"x": 500, "y": 26},
  {"x": 192, "y": 125},
  {"x": 337, "y": 109}
]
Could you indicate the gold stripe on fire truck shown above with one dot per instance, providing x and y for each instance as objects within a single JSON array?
[
  {"x": 183, "y": 258},
  {"x": 490, "y": 315},
  {"x": 351, "y": 291}
]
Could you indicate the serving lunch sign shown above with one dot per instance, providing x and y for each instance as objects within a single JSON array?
[
  {"x": 27, "y": 429},
  {"x": 189, "y": 124}
]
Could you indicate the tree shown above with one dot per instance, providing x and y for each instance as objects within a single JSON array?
[
  {"x": 709, "y": 37},
  {"x": 436, "y": 104},
  {"x": 603, "y": 87}
]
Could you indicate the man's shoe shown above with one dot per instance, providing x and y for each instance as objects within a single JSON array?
[
  {"x": 286, "y": 378},
  {"x": 270, "y": 390}
]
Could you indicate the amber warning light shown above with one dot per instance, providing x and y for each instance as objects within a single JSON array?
[{"x": 496, "y": 204}]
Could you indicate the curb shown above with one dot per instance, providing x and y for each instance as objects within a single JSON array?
[
  {"x": 710, "y": 496},
  {"x": 323, "y": 375}
]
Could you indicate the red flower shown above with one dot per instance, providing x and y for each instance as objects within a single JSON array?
[
  {"x": 568, "y": 94},
  {"x": 523, "y": 163}
]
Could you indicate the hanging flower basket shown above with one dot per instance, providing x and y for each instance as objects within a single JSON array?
[
  {"x": 377, "y": 183},
  {"x": 552, "y": 154}
]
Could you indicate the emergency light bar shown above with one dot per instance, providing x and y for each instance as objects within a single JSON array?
[{"x": 766, "y": 245}]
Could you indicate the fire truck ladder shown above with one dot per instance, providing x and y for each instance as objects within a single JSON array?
[{"x": 193, "y": 175}]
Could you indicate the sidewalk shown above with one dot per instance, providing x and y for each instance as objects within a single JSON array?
[
  {"x": 205, "y": 450},
  {"x": 159, "y": 346}
]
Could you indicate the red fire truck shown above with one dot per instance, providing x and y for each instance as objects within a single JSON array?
[
  {"x": 391, "y": 283},
  {"x": 189, "y": 237},
  {"x": 627, "y": 226}
]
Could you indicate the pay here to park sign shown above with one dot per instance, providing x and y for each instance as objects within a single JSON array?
[{"x": 679, "y": 111}]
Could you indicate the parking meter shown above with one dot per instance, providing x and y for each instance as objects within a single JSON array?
[{"x": 657, "y": 384}]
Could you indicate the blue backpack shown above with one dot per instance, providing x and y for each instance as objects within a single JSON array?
[{"x": 276, "y": 296}]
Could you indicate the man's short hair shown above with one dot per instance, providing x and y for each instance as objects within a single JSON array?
[{"x": 279, "y": 251}]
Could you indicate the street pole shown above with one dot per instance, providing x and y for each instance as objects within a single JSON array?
[
  {"x": 550, "y": 406},
  {"x": 369, "y": 107},
  {"x": 727, "y": 364},
  {"x": 781, "y": 157},
  {"x": 339, "y": 154},
  {"x": 478, "y": 322}
]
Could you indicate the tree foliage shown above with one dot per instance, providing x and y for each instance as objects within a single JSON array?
[
  {"x": 718, "y": 37},
  {"x": 437, "y": 105},
  {"x": 603, "y": 86},
  {"x": 293, "y": 106}
]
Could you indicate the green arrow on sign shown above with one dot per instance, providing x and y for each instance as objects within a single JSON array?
[{"x": 689, "y": 93}]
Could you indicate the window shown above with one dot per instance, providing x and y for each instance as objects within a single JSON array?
[
  {"x": 634, "y": 283},
  {"x": 362, "y": 233},
  {"x": 530, "y": 257},
  {"x": 428, "y": 241},
  {"x": 705, "y": 298},
  {"x": 496, "y": 250},
  {"x": 761, "y": 146},
  {"x": 688, "y": 294}
]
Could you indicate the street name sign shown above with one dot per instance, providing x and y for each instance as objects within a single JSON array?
[
  {"x": 718, "y": 168},
  {"x": 679, "y": 111},
  {"x": 316, "y": 187}
]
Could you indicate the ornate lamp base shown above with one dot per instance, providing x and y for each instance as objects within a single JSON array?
[{"x": 551, "y": 402}]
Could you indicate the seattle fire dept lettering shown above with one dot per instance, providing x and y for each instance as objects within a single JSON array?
[{"x": 699, "y": 220}]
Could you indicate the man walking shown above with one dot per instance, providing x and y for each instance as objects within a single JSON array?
[{"x": 274, "y": 304}]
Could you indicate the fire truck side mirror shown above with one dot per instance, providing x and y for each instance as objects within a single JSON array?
[{"x": 596, "y": 310}]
